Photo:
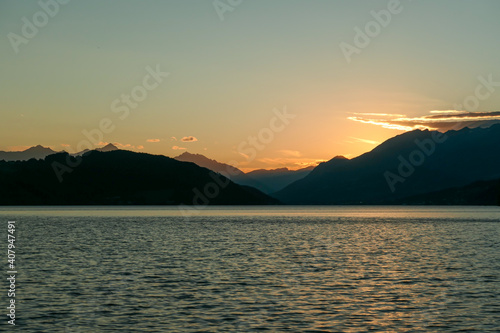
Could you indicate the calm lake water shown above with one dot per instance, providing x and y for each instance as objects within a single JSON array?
[{"x": 244, "y": 269}]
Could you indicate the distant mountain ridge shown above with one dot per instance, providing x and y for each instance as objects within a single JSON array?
[
  {"x": 203, "y": 161},
  {"x": 106, "y": 148},
  {"x": 411, "y": 164},
  {"x": 260, "y": 172},
  {"x": 418, "y": 167},
  {"x": 120, "y": 177},
  {"x": 267, "y": 181},
  {"x": 39, "y": 152},
  {"x": 36, "y": 152},
  {"x": 270, "y": 181}
]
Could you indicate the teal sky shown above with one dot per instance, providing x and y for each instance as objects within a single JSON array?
[{"x": 227, "y": 76}]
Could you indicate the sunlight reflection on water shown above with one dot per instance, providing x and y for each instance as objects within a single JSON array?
[{"x": 304, "y": 269}]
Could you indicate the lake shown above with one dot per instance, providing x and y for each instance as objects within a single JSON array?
[{"x": 245, "y": 269}]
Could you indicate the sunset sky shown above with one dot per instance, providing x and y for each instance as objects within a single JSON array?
[{"x": 232, "y": 69}]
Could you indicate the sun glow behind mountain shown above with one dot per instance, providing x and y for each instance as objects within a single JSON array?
[{"x": 171, "y": 77}]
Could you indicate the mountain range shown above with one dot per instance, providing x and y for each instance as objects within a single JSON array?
[
  {"x": 418, "y": 167},
  {"x": 416, "y": 163},
  {"x": 271, "y": 181},
  {"x": 39, "y": 153},
  {"x": 267, "y": 181},
  {"x": 36, "y": 152},
  {"x": 119, "y": 177},
  {"x": 203, "y": 161}
]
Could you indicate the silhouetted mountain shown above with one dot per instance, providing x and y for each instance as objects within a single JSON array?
[
  {"x": 270, "y": 181},
  {"x": 409, "y": 164},
  {"x": 37, "y": 152},
  {"x": 119, "y": 177},
  {"x": 203, "y": 161},
  {"x": 108, "y": 147}
]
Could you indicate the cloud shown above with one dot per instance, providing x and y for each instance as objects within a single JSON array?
[
  {"x": 178, "y": 148},
  {"x": 371, "y": 142},
  {"x": 384, "y": 123},
  {"x": 153, "y": 140},
  {"x": 65, "y": 145},
  {"x": 140, "y": 147},
  {"x": 441, "y": 120},
  {"x": 173, "y": 138},
  {"x": 247, "y": 157},
  {"x": 121, "y": 145},
  {"x": 379, "y": 114},
  {"x": 189, "y": 139},
  {"x": 290, "y": 153},
  {"x": 448, "y": 112}
]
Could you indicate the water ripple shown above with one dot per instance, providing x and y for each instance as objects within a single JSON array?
[{"x": 241, "y": 274}]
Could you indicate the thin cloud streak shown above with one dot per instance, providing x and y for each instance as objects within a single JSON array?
[
  {"x": 371, "y": 142},
  {"x": 447, "y": 112},
  {"x": 383, "y": 123},
  {"x": 379, "y": 114},
  {"x": 437, "y": 120}
]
